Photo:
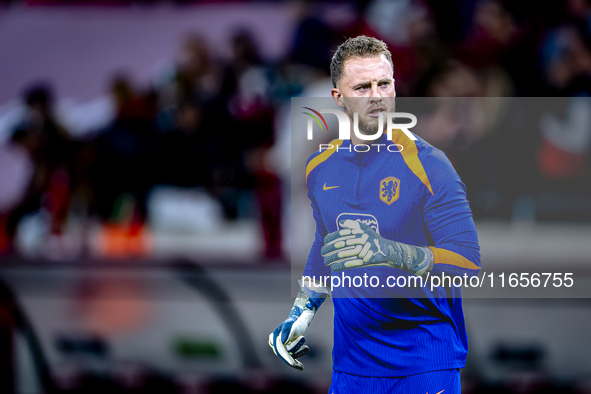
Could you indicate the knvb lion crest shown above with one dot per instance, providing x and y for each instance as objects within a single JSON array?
[{"x": 389, "y": 189}]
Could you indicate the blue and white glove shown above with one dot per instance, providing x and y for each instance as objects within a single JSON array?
[
  {"x": 287, "y": 341},
  {"x": 358, "y": 245}
]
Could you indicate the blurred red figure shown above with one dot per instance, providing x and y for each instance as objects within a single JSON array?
[
  {"x": 246, "y": 87},
  {"x": 493, "y": 33},
  {"x": 16, "y": 173},
  {"x": 566, "y": 134},
  {"x": 57, "y": 199},
  {"x": 46, "y": 145},
  {"x": 268, "y": 193}
]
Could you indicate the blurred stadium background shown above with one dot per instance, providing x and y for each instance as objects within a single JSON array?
[{"x": 144, "y": 185}]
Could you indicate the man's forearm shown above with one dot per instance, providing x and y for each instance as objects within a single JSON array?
[{"x": 358, "y": 245}]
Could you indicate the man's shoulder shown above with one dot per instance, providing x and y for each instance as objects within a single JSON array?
[
  {"x": 423, "y": 147},
  {"x": 426, "y": 162},
  {"x": 323, "y": 154},
  {"x": 439, "y": 170},
  {"x": 312, "y": 156},
  {"x": 418, "y": 146},
  {"x": 428, "y": 154},
  {"x": 318, "y": 158}
]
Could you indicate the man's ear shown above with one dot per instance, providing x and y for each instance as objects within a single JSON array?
[{"x": 337, "y": 97}]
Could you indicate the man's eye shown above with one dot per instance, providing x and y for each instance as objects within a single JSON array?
[
  {"x": 363, "y": 88},
  {"x": 385, "y": 84}
]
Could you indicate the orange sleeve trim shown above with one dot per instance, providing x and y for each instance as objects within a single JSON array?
[
  {"x": 410, "y": 154},
  {"x": 322, "y": 157},
  {"x": 443, "y": 256}
]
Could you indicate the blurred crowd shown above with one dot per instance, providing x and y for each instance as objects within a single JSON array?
[
  {"x": 209, "y": 123},
  {"x": 212, "y": 124}
]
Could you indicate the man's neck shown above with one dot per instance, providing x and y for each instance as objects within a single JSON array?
[{"x": 358, "y": 141}]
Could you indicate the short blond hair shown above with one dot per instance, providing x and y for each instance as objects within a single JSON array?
[{"x": 360, "y": 46}]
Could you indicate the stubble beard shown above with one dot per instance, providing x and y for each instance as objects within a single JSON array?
[{"x": 367, "y": 125}]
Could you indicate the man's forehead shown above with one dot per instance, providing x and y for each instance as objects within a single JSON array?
[{"x": 359, "y": 69}]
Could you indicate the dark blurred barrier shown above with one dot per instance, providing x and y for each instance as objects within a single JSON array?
[
  {"x": 14, "y": 321},
  {"x": 517, "y": 345},
  {"x": 131, "y": 378},
  {"x": 199, "y": 280}
]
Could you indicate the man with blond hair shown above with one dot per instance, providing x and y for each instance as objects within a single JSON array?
[{"x": 402, "y": 216}]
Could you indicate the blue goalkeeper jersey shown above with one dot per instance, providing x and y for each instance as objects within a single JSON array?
[{"x": 407, "y": 191}]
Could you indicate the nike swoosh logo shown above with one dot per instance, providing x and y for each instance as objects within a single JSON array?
[
  {"x": 328, "y": 187},
  {"x": 438, "y": 392}
]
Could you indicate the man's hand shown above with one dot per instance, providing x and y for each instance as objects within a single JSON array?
[
  {"x": 358, "y": 245},
  {"x": 288, "y": 342}
]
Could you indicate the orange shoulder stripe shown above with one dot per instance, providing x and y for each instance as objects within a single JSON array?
[
  {"x": 443, "y": 256},
  {"x": 410, "y": 154},
  {"x": 322, "y": 157}
]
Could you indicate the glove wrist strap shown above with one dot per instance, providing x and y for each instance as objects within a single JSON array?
[{"x": 415, "y": 260}]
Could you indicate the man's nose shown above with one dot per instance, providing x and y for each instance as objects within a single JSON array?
[{"x": 375, "y": 94}]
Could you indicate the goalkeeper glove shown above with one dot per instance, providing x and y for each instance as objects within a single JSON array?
[
  {"x": 287, "y": 341},
  {"x": 358, "y": 245}
]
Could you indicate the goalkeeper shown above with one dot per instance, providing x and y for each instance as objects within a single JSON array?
[{"x": 383, "y": 214}]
